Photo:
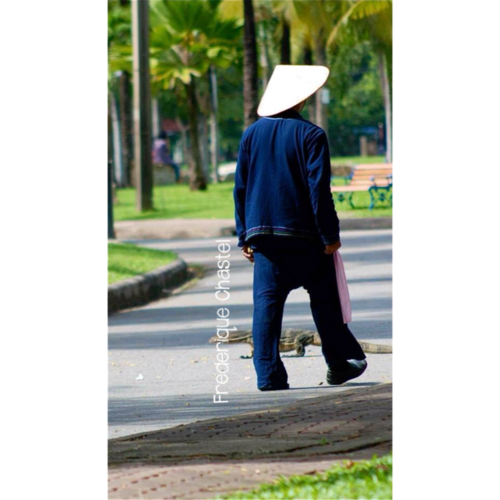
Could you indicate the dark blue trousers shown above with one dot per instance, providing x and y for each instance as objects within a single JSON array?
[{"x": 281, "y": 265}]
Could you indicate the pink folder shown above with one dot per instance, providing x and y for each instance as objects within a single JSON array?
[{"x": 345, "y": 299}]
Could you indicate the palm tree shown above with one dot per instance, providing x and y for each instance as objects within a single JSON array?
[
  {"x": 187, "y": 38},
  {"x": 317, "y": 17},
  {"x": 377, "y": 30},
  {"x": 214, "y": 131},
  {"x": 125, "y": 104},
  {"x": 250, "y": 90},
  {"x": 119, "y": 34},
  {"x": 285, "y": 45},
  {"x": 278, "y": 18},
  {"x": 324, "y": 20}
]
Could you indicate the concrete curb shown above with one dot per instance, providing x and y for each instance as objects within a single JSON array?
[
  {"x": 345, "y": 225},
  {"x": 170, "y": 229},
  {"x": 185, "y": 229},
  {"x": 368, "y": 223},
  {"x": 144, "y": 288}
]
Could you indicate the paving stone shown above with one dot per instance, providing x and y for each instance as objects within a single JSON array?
[{"x": 215, "y": 456}]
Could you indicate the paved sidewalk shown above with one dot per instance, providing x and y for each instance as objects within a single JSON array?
[
  {"x": 161, "y": 366},
  {"x": 171, "y": 229},
  {"x": 217, "y": 456}
]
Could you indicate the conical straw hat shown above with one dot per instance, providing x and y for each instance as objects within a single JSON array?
[{"x": 289, "y": 85}]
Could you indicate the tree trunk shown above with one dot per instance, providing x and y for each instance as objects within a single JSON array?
[
  {"x": 142, "y": 106},
  {"x": 214, "y": 133},
  {"x": 155, "y": 118},
  {"x": 205, "y": 153},
  {"x": 308, "y": 55},
  {"x": 264, "y": 57},
  {"x": 117, "y": 143},
  {"x": 311, "y": 107},
  {"x": 197, "y": 181},
  {"x": 386, "y": 91},
  {"x": 124, "y": 91},
  {"x": 184, "y": 143},
  {"x": 320, "y": 59},
  {"x": 250, "y": 92},
  {"x": 286, "y": 51},
  {"x": 111, "y": 231}
]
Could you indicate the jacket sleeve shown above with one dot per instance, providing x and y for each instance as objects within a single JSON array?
[
  {"x": 319, "y": 178},
  {"x": 239, "y": 193}
]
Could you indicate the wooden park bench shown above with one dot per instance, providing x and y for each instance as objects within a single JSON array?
[{"x": 375, "y": 178}]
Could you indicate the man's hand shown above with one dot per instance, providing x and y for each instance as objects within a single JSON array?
[
  {"x": 248, "y": 253},
  {"x": 329, "y": 249}
]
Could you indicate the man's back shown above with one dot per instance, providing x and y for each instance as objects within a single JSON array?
[{"x": 282, "y": 184}]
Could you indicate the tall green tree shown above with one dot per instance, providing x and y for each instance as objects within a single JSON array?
[
  {"x": 119, "y": 35},
  {"x": 324, "y": 20},
  {"x": 377, "y": 30},
  {"x": 187, "y": 38},
  {"x": 250, "y": 65},
  {"x": 356, "y": 95},
  {"x": 283, "y": 13}
]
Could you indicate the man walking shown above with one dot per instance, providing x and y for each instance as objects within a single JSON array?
[{"x": 287, "y": 225}]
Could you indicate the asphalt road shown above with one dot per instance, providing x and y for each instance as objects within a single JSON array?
[{"x": 161, "y": 366}]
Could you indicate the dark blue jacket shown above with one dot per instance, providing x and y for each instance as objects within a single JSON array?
[{"x": 282, "y": 181}]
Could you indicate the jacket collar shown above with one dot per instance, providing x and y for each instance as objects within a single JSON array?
[{"x": 289, "y": 113}]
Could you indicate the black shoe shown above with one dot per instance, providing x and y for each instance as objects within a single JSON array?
[
  {"x": 274, "y": 387},
  {"x": 339, "y": 375}
]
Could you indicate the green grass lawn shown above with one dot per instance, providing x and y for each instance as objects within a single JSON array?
[
  {"x": 356, "y": 160},
  {"x": 126, "y": 260},
  {"x": 177, "y": 201},
  {"x": 351, "y": 480}
]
